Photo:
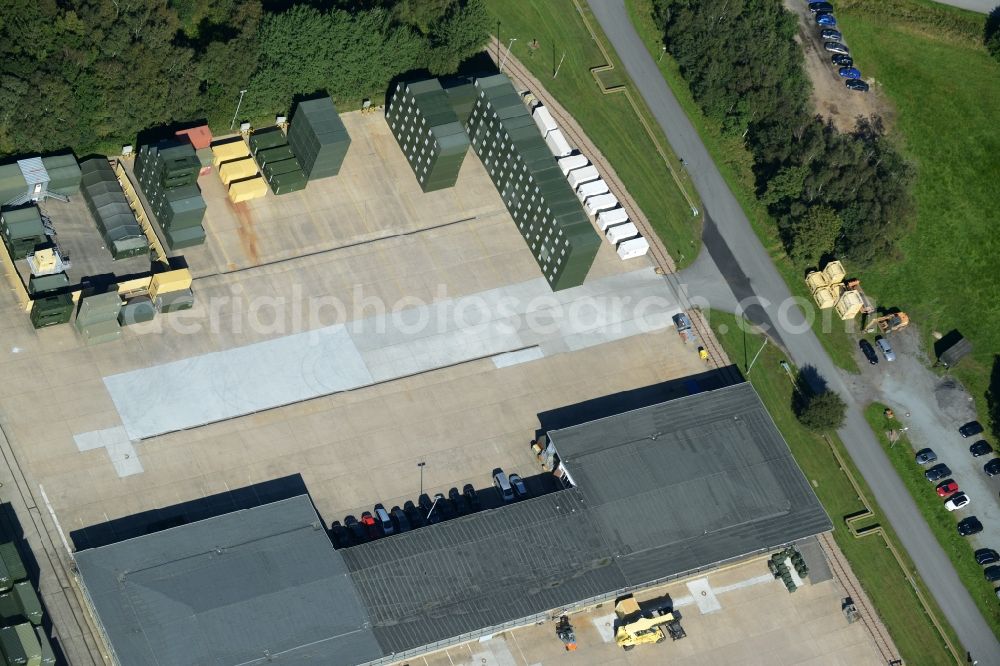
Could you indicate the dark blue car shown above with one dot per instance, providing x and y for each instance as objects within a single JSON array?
[
  {"x": 826, "y": 20},
  {"x": 849, "y": 73}
]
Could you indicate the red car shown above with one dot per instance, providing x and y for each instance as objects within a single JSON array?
[{"x": 946, "y": 488}]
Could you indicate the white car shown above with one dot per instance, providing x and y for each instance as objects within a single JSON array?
[{"x": 956, "y": 501}]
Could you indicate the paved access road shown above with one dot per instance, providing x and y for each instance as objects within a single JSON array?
[
  {"x": 981, "y": 6},
  {"x": 746, "y": 266}
]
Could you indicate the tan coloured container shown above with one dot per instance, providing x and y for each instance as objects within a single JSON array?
[
  {"x": 237, "y": 170},
  {"x": 849, "y": 305},
  {"x": 249, "y": 188},
  {"x": 816, "y": 280},
  {"x": 165, "y": 283},
  {"x": 824, "y": 298},
  {"x": 834, "y": 272},
  {"x": 232, "y": 149}
]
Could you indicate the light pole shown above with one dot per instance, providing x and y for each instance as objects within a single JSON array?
[
  {"x": 421, "y": 466},
  {"x": 504, "y": 59},
  {"x": 556, "y": 73},
  {"x": 662, "y": 51},
  {"x": 757, "y": 354},
  {"x": 238, "y": 105}
]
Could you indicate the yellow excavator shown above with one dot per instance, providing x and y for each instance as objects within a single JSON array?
[
  {"x": 636, "y": 626},
  {"x": 889, "y": 323}
]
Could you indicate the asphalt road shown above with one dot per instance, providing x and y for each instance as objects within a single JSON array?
[
  {"x": 981, "y": 6},
  {"x": 740, "y": 257}
]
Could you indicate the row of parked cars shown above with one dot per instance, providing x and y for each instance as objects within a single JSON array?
[
  {"x": 954, "y": 498},
  {"x": 381, "y": 522},
  {"x": 832, "y": 42},
  {"x": 884, "y": 347}
]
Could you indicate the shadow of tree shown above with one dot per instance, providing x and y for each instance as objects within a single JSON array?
[
  {"x": 991, "y": 32},
  {"x": 993, "y": 393}
]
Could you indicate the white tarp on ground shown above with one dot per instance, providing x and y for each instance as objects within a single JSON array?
[{"x": 226, "y": 384}]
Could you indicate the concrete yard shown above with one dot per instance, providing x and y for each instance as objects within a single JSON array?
[{"x": 751, "y": 619}]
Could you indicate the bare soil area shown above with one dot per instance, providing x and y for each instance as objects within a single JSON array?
[{"x": 830, "y": 97}]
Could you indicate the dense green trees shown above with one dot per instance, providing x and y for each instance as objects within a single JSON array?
[
  {"x": 90, "y": 74},
  {"x": 828, "y": 191}
]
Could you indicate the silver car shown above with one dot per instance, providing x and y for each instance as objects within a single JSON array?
[
  {"x": 886, "y": 348},
  {"x": 836, "y": 47}
]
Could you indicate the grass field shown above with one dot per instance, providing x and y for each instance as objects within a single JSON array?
[
  {"x": 873, "y": 563},
  {"x": 608, "y": 120},
  {"x": 946, "y": 90},
  {"x": 734, "y": 162},
  {"x": 941, "y": 522}
]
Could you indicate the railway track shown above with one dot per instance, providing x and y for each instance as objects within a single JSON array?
[
  {"x": 523, "y": 79},
  {"x": 842, "y": 573}
]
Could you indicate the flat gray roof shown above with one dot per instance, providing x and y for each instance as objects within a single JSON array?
[{"x": 255, "y": 586}]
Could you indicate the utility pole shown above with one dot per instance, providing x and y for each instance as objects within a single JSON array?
[
  {"x": 238, "y": 105},
  {"x": 766, "y": 339},
  {"x": 663, "y": 50},
  {"x": 421, "y": 466},
  {"x": 504, "y": 60},
  {"x": 556, "y": 73},
  {"x": 498, "y": 40}
]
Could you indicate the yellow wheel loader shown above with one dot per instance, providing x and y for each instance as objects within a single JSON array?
[{"x": 636, "y": 626}]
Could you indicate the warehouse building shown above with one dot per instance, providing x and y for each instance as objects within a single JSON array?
[
  {"x": 652, "y": 494},
  {"x": 425, "y": 125},
  {"x": 524, "y": 171}
]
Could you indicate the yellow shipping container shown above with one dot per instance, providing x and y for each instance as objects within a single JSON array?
[
  {"x": 237, "y": 169},
  {"x": 164, "y": 283},
  {"x": 230, "y": 150},
  {"x": 834, "y": 272},
  {"x": 849, "y": 305},
  {"x": 816, "y": 280},
  {"x": 249, "y": 188}
]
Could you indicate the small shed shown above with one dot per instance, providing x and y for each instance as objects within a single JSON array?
[{"x": 959, "y": 349}]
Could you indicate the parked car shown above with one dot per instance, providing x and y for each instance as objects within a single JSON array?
[
  {"x": 820, "y": 7},
  {"x": 937, "y": 472},
  {"x": 502, "y": 484},
  {"x": 986, "y": 556},
  {"x": 886, "y": 348},
  {"x": 856, "y": 84},
  {"x": 458, "y": 502},
  {"x": 371, "y": 527},
  {"x": 836, "y": 47},
  {"x": 842, "y": 60},
  {"x": 925, "y": 456},
  {"x": 443, "y": 507},
  {"x": 471, "y": 498},
  {"x": 946, "y": 488},
  {"x": 969, "y": 526},
  {"x": 825, "y": 19},
  {"x": 830, "y": 34},
  {"x": 868, "y": 351},
  {"x": 358, "y": 532},
  {"x": 414, "y": 514},
  {"x": 383, "y": 520},
  {"x": 340, "y": 535},
  {"x": 992, "y": 574},
  {"x": 992, "y": 468},
  {"x": 980, "y": 448},
  {"x": 956, "y": 501},
  {"x": 849, "y": 73},
  {"x": 400, "y": 520},
  {"x": 520, "y": 489},
  {"x": 971, "y": 428}
]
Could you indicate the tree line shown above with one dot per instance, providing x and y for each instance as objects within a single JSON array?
[
  {"x": 830, "y": 192},
  {"x": 91, "y": 74}
]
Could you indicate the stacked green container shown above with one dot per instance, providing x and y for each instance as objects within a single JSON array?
[
  {"x": 22, "y": 230},
  {"x": 318, "y": 138},
  {"x": 39, "y": 284},
  {"x": 97, "y": 320},
  {"x": 271, "y": 137},
  {"x": 27, "y": 601},
  {"x": 51, "y": 310},
  {"x": 277, "y": 161},
  {"x": 425, "y": 125},
  {"x": 20, "y": 645},
  {"x": 111, "y": 211},
  {"x": 48, "y": 654},
  {"x": 64, "y": 174},
  {"x": 12, "y": 562},
  {"x": 12, "y": 183},
  {"x": 168, "y": 175}
]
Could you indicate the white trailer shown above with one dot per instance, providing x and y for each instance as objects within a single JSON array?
[
  {"x": 632, "y": 248},
  {"x": 558, "y": 144},
  {"x": 578, "y": 177},
  {"x": 620, "y": 232},
  {"x": 567, "y": 164},
  {"x": 591, "y": 189},
  {"x": 544, "y": 120},
  {"x": 611, "y": 217},
  {"x": 601, "y": 202}
]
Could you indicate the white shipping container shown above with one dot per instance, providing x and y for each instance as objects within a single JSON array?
[
  {"x": 610, "y": 217},
  {"x": 558, "y": 144},
  {"x": 620, "y": 232},
  {"x": 578, "y": 177},
  {"x": 544, "y": 120},
  {"x": 632, "y": 248},
  {"x": 601, "y": 202},
  {"x": 567, "y": 164},
  {"x": 591, "y": 189}
]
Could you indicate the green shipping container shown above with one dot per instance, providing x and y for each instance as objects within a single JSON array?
[
  {"x": 276, "y": 154},
  {"x": 267, "y": 138},
  {"x": 5, "y": 580},
  {"x": 175, "y": 300},
  {"x": 48, "y": 311},
  {"x": 38, "y": 284},
  {"x": 48, "y": 654},
  {"x": 28, "y": 601},
  {"x": 181, "y": 238}
]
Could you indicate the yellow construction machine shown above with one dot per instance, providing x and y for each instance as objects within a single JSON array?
[
  {"x": 636, "y": 626},
  {"x": 889, "y": 323}
]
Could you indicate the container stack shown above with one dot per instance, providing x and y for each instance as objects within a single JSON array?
[
  {"x": 171, "y": 291},
  {"x": 64, "y": 174},
  {"x": 168, "y": 175},
  {"x": 12, "y": 183},
  {"x": 112, "y": 214},
  {"x": 23, "y": 640},
  {"x": 276, "y": 159},
  {"x": 97, "y": 320},
  {"x": 531, "y": 184},
  {"x": 427, "y": 129},
  {"x": 462, "y": 95},
  {"x": 238, "y": 170},
  {"x": 318, "y": 138},
  {"x": 51, "y": 310},
  {"x": 22, "y": 230}
]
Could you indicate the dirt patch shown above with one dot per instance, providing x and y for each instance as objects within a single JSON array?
[
  {"x": 830, "y": 97},
  {"x": 248, "y": 238}
]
